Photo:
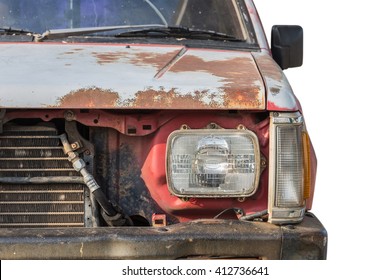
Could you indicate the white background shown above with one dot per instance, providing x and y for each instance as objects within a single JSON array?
[{"x": 343, "y": 89}]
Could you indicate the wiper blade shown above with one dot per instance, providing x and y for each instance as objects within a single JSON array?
[
  {"x": 7, "y": 30},
  {"x": 64, "y": 33},
  {"x": 179, "y": 32}
]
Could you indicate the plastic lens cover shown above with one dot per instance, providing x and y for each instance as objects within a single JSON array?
[
  {"x": 286, "y": 202},
  {"x": 213, "y": 163},
  {"x": 289, "y": 170}
]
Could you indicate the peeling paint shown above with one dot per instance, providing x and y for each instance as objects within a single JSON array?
[
  {"x": 89, "y": 97},
  {"x": 109, "y": 57},
  {"x": 171, "y": 98},
  {"x": 230, "y": 70},
  {"x": 143, "y": 76},
  {"x": 280, "y": 96},
  {"x": 157, "y": 60}
]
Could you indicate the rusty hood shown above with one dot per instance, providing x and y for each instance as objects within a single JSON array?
[{"x": 128, "y": 76}]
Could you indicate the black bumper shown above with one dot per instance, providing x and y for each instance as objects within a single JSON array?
[{"x": 197, "y": 239}]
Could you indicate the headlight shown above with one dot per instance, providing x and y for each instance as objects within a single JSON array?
[
  {"x": 287, "y": 168},
  {"x": 213, "y": 163}
]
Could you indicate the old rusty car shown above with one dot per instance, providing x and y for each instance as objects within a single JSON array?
[{"x": 152, "y": 130}]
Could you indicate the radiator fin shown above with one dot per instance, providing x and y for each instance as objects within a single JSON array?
[{"x": 35, "y": 151}]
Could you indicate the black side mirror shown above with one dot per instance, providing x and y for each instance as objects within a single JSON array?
[{"x": 287, "y": 45}]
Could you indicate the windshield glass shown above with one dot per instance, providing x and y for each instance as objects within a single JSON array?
[{"x": 222, "y": 16}]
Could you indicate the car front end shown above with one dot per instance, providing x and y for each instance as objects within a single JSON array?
[{"x": 174, "y": 137}]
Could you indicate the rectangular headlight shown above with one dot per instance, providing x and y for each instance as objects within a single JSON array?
[
  {"x": 213, "y": 163},
  {"x": 286, "y": 181}
]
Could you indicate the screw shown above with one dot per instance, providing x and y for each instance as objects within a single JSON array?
[
  {"x": 75, "y": 145},
  {"x": 69, "y": 116}
]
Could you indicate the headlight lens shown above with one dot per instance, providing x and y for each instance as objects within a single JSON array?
[
  {"x": 213, "y": 163},
  {"x": 286, "y": 181}
]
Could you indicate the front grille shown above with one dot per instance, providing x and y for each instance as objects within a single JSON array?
[{"x": 38, "y": 186}]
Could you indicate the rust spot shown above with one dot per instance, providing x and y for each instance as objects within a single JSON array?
[
  {"x": 240, "y": 70},
  {"x": 110, "y": 57},
  {"x": 157, "y": 60},
  {"x": 162, "y": 99},
  {"x": 239, "y": 74},
  {"x": 89, "y": 98},
  {"x": 141, "y": 59},
  {"x": 200, "y": 99},
  {"x": 243, "y": 98}
]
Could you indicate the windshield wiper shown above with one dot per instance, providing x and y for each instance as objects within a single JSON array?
[
  {"x": 64, "y": 33},
  {"x": 145, "y": 30},
  {"x": 7, "y": 30},
  {"x": 179, "y": 32}
]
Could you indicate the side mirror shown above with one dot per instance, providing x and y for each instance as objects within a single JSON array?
[{"x": 287, "y": 45}]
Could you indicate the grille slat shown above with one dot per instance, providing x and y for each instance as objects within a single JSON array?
[
  {"x": 41, "y": 213},
  {"x": 37, "y": 173},
  {"x": 26, "y": 142},
  {"x": 13, "y": 168},
  {"x": 41, "y": 219},
  {"x": 40, "y": 208},
  {"x": 40, "y": 202},
  {"x": 31, "y": 155},
  {"x": 43, "y": 191}
]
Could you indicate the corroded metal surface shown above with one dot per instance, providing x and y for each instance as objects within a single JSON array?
[
  {"x": 201, "y": 238},
  {"x": 130, "y": 124},
  {"x": 90, "y": 97},
  {"x": 121, "y": 76},
  {"x": 280, "y": 96}
]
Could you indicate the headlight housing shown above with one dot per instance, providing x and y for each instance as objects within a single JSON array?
[
  {"x": 213, "y": 163},
  {"x": 288, "y": 168}
]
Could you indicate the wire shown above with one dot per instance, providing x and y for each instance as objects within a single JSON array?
[
  {"x": 254, "y": 215},
  {"x": 235, "y": 209}
]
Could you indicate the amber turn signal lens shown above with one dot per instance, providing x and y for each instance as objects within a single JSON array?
[{"x": 306, "y": 166}]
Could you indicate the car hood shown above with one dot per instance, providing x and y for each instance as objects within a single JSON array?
[{"x": 48, "y": 75}]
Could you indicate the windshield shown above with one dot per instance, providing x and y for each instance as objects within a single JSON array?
[{"x": 221, "y": 16}]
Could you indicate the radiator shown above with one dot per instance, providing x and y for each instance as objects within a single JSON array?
[{"x": 38, "y": 186}]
